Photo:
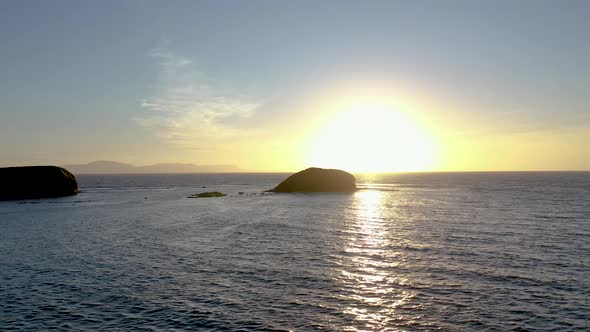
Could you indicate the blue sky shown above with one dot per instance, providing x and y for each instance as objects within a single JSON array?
[{"x": 151, "y": 81}]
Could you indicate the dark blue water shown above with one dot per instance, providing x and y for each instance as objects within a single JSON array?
[{"x": 409, "y": 252}]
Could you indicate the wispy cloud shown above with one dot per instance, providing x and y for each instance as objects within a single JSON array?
[
  {"x": 488, "y": 122},
  {"x": 187, "y": 109},
  {"x": 169, "y": 60}
]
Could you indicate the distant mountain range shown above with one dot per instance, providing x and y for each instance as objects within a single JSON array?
[{"x": 113, "y": 167}]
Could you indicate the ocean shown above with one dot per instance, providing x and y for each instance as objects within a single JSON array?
[{"x": 407, "y": 252}]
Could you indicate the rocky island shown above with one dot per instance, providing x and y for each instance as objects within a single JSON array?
[
  {"x": 208, "y": 194},
  {"x": 317, "y": 180},
  {"x": 36, "y": 182}
]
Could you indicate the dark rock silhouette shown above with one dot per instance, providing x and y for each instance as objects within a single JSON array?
[
  {"x": 317, "y": 180},
  {"x": 208, "y": 194},
  {"x": 36, "y": 182}
]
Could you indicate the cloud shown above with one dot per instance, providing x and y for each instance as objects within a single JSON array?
[
  {"x": 187, "y": 109},
  {"x": 168, "y": 60},
  {"x": 496, "y": 122}
]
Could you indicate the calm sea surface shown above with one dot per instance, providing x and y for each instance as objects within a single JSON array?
[{"x": 408, "y": 252}]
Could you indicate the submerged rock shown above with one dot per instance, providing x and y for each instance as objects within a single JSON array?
[
  {"x": 29, "y": 182},
  {"x": 317, "y": 180},
  {"x": 208, "y": 194}
]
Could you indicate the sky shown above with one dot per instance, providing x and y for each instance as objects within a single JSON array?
[{"x": 282, "y": 85}]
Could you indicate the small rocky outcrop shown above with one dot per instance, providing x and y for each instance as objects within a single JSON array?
[
  {"x": 317, "y": 180},
  {"x": 30, "y": 182},
  {"x": 208, "y": 194}
]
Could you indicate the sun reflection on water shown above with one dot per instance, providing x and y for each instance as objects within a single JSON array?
[{"x": 373, "y": 288}]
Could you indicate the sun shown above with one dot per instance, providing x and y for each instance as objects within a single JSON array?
[{"x": 372, "y": 137}]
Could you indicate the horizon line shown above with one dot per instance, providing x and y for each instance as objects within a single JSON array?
[{"x": 360, "y": 173}]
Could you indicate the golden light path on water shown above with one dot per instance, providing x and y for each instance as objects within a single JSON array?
[{"x": 373, "y": 288}]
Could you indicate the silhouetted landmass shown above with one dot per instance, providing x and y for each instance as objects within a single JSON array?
[
  {"x": 36, "y": 182},
  {"x": 113, "y": 167},
  {"x": 318, "y": 180},
  {"x": 208, "y": 194}
]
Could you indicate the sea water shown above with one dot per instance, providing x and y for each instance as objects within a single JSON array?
[{"x": 407, "y": 252}]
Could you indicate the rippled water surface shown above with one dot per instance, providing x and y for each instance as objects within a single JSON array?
[{"x": 408, "y": 252}]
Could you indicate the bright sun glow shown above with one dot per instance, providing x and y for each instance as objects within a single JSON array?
[{"x": 371, "y": 137}]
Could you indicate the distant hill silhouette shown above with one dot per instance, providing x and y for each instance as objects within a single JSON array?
[{"x": 113, "y": 167}]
